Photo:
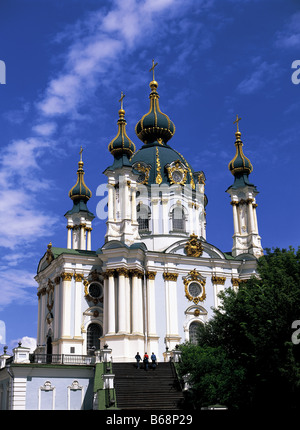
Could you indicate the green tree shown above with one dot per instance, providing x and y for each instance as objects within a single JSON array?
[{"x": 252, "y": 333}]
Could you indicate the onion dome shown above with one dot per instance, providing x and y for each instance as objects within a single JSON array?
[
  {"x": 80, "y": 191},
  {"x": 121, "y": 144},
  {"x": 240, "y": 166},
  {"x": 154, "y": 126}
]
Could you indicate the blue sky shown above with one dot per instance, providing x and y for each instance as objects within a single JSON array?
[{"x": 67, "y": 62}]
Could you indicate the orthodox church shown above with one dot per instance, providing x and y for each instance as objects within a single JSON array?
[{"x": 155, "y": 276}]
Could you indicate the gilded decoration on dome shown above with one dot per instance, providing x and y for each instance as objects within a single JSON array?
[
  {"x": 177, "y": 172},
  {"x": 194, "y": 247},
  {"x": 144, "y": 171}
]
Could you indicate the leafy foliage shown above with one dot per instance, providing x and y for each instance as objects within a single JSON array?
[{"x": 245, "y": 357}]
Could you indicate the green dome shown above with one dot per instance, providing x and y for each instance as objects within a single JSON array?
[
  {"x": 121, "y": 144},
  {"x": 240, "y": 164},
  {"x": 154, "y": 125},
  {"x": 80, "y": 191}
]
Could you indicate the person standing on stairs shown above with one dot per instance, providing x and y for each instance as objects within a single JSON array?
[
  {"x": 138, "y": 359},
  {"x": 153, "y": 358},
  {"x": 146, "y": 361}
]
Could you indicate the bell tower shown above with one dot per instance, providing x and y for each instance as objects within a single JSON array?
[
  {"x": 79, "y": 217},
  {"x": 243, "y": 194}
]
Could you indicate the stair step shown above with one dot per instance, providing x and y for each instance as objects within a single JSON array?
[{"x": 152, "y": 389}]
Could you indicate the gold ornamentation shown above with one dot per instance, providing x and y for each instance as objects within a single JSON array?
[
  {"x": 170, "y": 276},
  {"x": 49, "y": 254},
  {"x": 78, "y": 277},
  {"x": 235, "y": 282},
  {"x": 237, "y": 123},
  {"x": 197, "y": 312},
  {"x": 122, "y": 272},
  {"x": 190, "y": 171},
  {"x": 218, "y": 280},
  {"x": 194, "y": 247},
  {"x": 173, "y": 168},
  {"x": 66, "y": 276},
  {"x": 150, "y": 275},
  {"x": 110, "y": 272},
  {"x": 195, "y": 277},
  {"x": 201, "y": 178},
  {"x": 144, "y": 170},
  {"x": 137, "y": 273},
  {"x": 152, "y": 68},
  {"x": 158, "y": 170}
]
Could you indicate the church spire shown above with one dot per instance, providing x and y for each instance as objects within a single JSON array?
[
  {"x": 240, "y": 166},
  {"x": 79, "y": 217},
  {"x": 246, "y": 239},
  {"x": 155, "y": 127},
  {"x": 121, "y": 147}
]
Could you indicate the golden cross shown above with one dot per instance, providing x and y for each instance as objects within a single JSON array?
[
  {"x": 121, "y": 99},
  {"x": 80, "y": 152},
  {"x": 237, "y": 122},
  {"x": 152, "y": 68}
]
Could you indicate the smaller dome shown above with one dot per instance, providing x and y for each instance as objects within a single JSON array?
[
  {"x": 240, "y": 164},
  {"x": 80, "y": 191},
  {"x": 155, "y": 124},
  {"x": 121, "y": 144}
]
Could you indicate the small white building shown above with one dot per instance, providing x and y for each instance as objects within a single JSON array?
[{"x": 157, "y": 276}]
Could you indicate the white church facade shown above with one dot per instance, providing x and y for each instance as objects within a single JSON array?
[{"x": 155, "y": 276}]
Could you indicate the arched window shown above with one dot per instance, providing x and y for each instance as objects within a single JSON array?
[
  {"x": 193, "y": 331},
  {"x": 143, "y": 218},
  {"x": 178, "y": 219},
  {"x": 94, "y": 332}
]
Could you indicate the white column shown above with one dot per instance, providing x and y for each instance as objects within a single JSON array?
[
  {"x": 111, "y": 202},
  {"x": 171, "y": 308},
  {"x": 77, "y": 311},
  {"x": 137, "y": 302},
  {"x": 89, "y": 238},
  {"x": 82, "y": 236},
  {"x": 151, "y": 313},
  {"x": 69, "y": 241},
  {"x": 165, "y": 215},
  {"x": 66, "y": 302},
  {"x": 43, "y": 316},
  {"x": 111, "y": 303},
  {"x": 105, "y": 304},
  {"x": 57, "y": 315},
  {"x": 122, "y": 300},
  {"x": 255, "y": 217},
  {"x": 155, "y": 217},
  {"x": 235, "y": 217},
  {"x": 127, "y": 304},
  {"x": 133, "y": 205},
  {"x": 251, "y": 217},
  {"x": 191, "y": 227}
]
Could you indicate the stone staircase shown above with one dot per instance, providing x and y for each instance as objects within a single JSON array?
[{"x": 157, "y": 389}]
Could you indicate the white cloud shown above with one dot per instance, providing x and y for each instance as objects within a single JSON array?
[
  {"x": 17, "y": 285},
  {"x": 263, "y": 74},
  {"x": 45, "y": 129},
  {"x": 26, "y": 342},
  {"x": 289, "y": 37}
]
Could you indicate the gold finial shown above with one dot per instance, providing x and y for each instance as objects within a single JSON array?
[
  {"x": 80, "y": 152},
  {"x": 152, "y": 68},
  {"x": 121, "y": 100},
  {"x": 237, "y": 123}
]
